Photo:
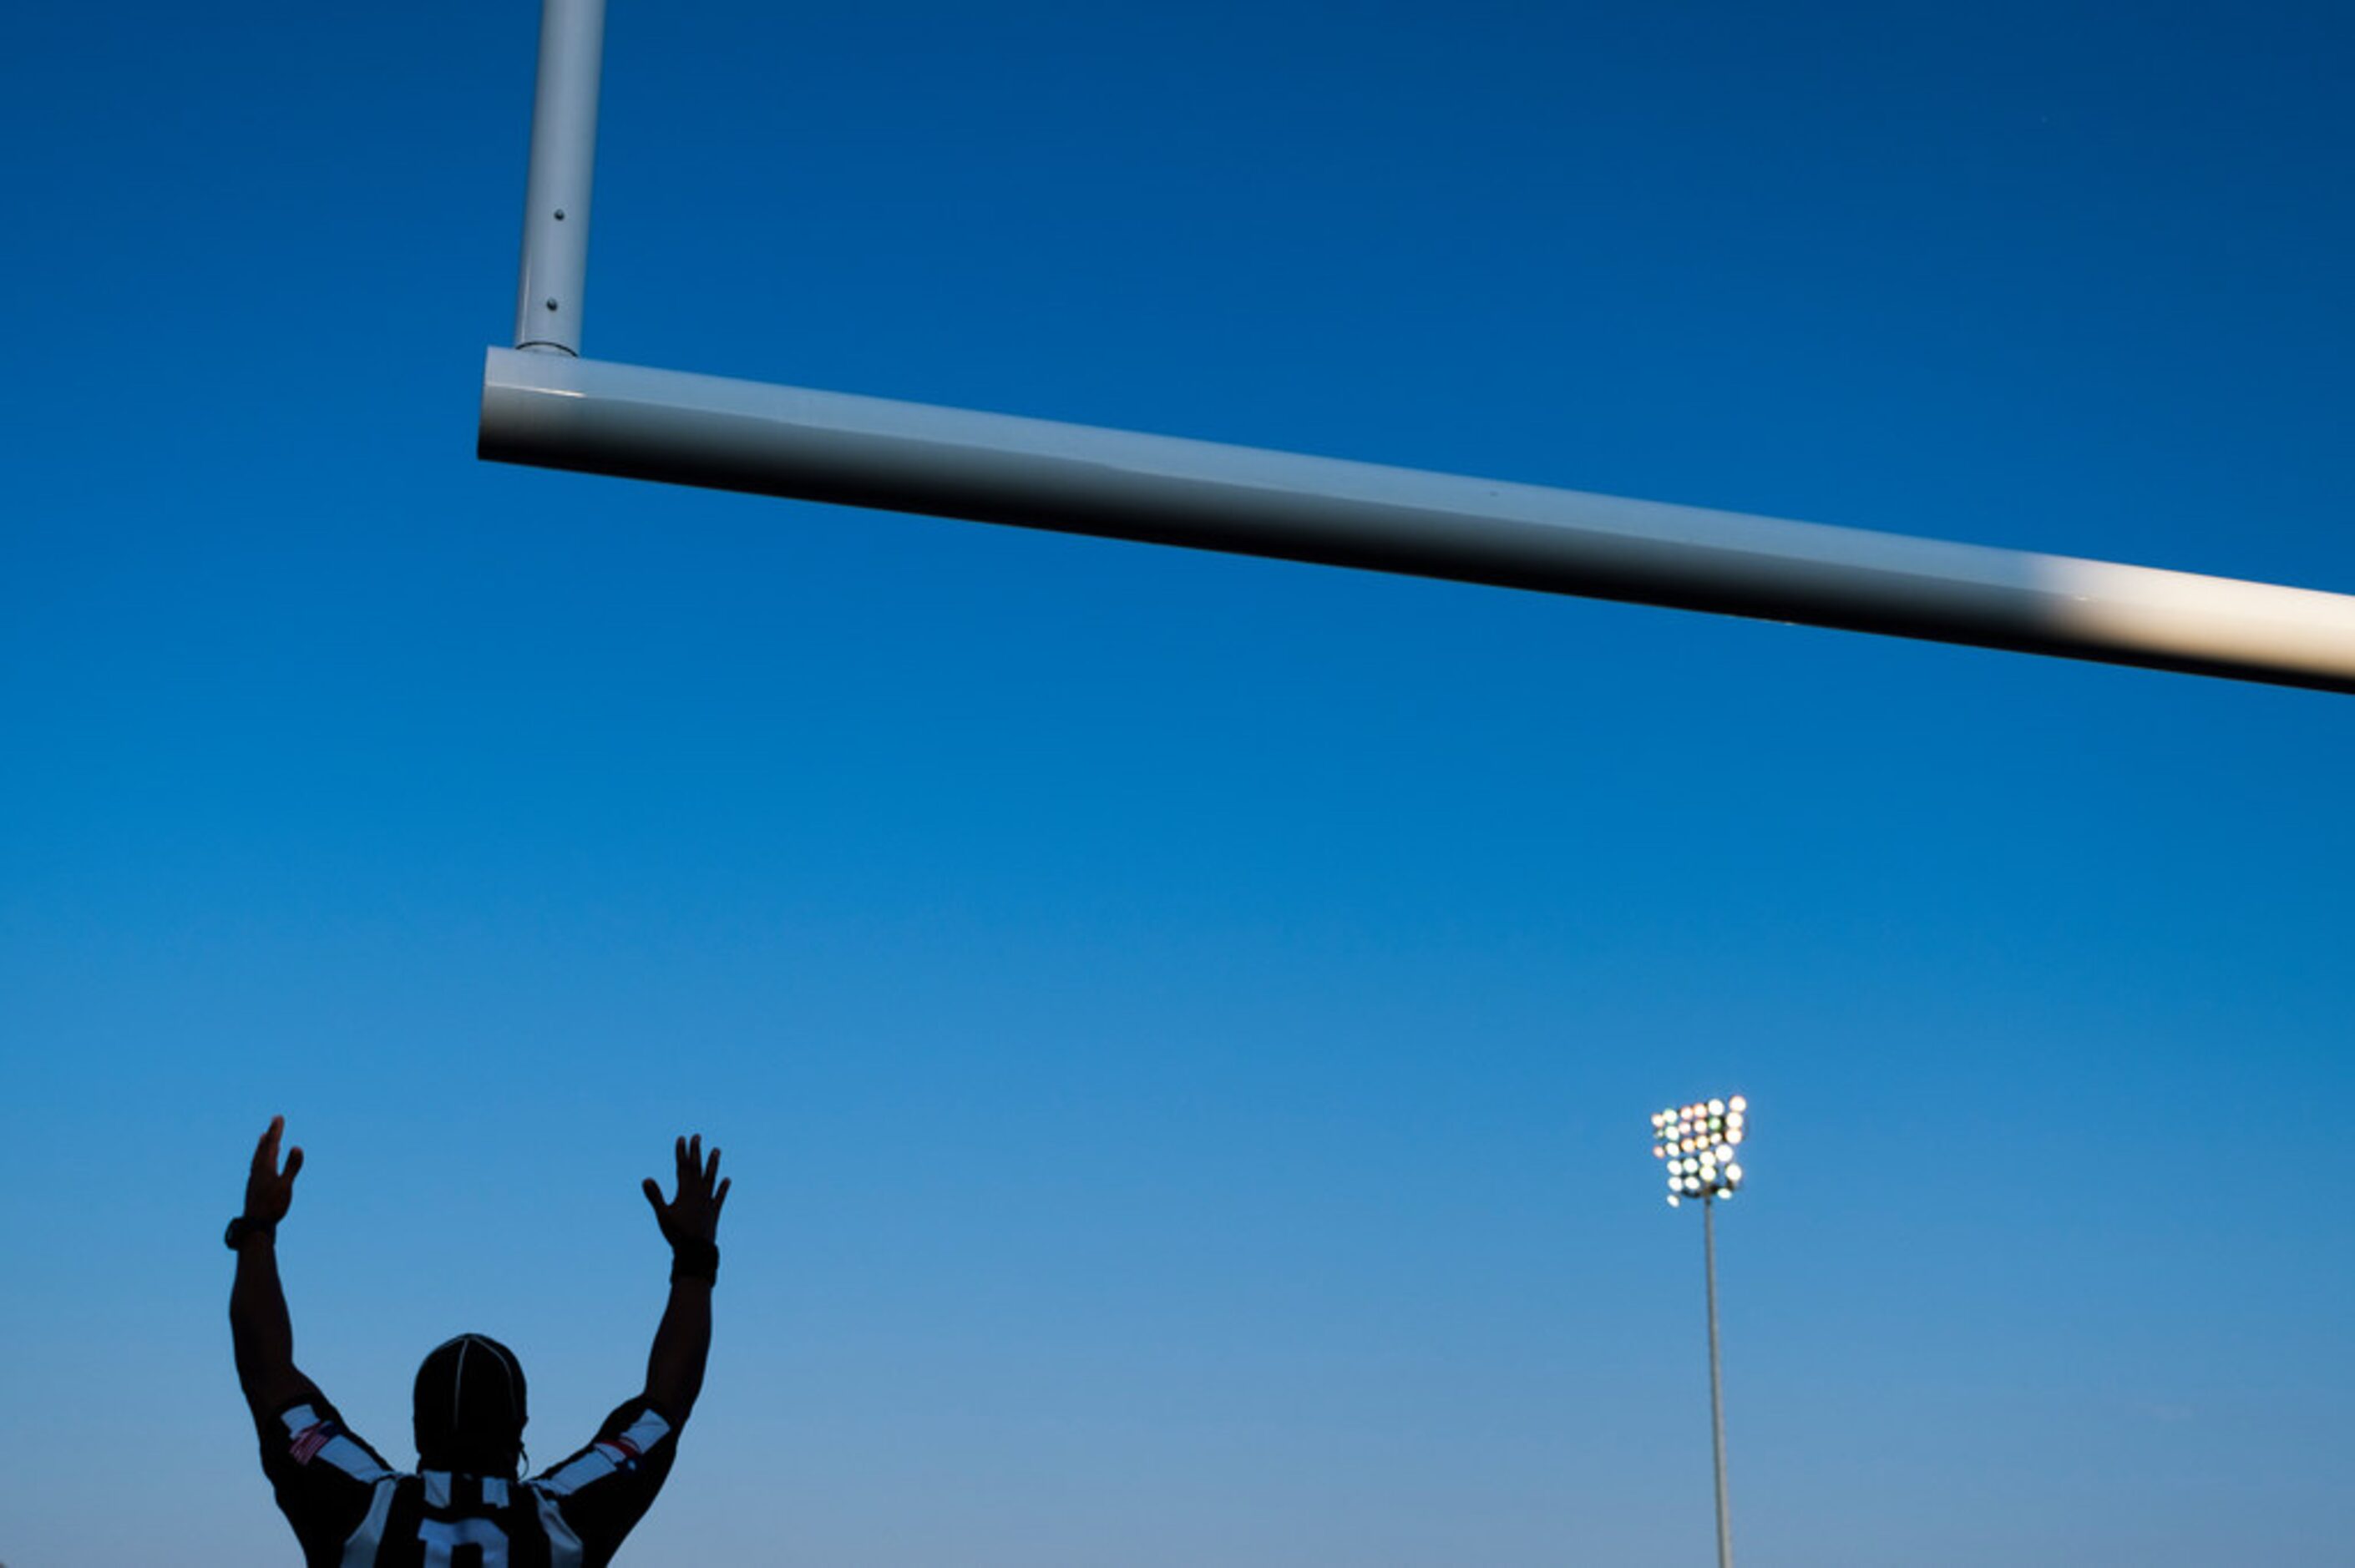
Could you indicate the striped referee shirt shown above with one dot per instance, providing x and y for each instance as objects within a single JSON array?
[{"x": 350, "y": 1509}]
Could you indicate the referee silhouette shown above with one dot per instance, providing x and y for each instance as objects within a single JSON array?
[{"x": 467, "y": 1504}]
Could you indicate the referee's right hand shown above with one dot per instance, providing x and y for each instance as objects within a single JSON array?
[{"x": 268, "y": 1189}]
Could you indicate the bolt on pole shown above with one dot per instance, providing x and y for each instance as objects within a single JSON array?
[{"x": 563, "y": 163}]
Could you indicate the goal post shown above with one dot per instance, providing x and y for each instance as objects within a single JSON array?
[{"x": 545, "y": 405}]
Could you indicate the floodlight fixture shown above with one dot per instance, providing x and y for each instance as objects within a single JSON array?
[{"x": 1695, "y": 1142}]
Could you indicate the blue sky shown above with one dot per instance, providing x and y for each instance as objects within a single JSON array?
[{"x": 1183, "y": 1027}]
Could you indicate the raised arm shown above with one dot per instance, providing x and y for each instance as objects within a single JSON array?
[
  {"x": 260, "y": 1330},
  {"x": 690, "y": 1223}
]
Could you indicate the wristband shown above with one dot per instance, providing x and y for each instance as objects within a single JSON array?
[
  {"x": 693, "y": 1258},
  {"x": 240, "y": 1227}
]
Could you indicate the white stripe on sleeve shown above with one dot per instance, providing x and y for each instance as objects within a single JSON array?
[
  {"x": 563, "y": 1545},
  {"x": 359, "y": 1550}
]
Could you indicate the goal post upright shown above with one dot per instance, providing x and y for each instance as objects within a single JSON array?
[{"x": 555, "y": 263}]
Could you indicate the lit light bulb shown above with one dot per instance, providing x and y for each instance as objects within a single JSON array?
[
  {"x": 1737, "y": 1104},
  {"x": 1734, "y": 1173}
]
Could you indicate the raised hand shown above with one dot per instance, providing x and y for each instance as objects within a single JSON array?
[
  {"x": 268, "y": 1189},
  {"x": 683, "y": 1339},
  {"x": 695, "y": 1211}
]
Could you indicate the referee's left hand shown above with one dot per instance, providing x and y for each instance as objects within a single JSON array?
[
  {"x": 702, "y": 1190},
  {"x": 268, "y": 1189}
]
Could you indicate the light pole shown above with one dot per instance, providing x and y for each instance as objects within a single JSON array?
[{"x": 1700, "y": 1145}]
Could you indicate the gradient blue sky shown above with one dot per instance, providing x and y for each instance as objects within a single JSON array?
[{"x": 1183, "y": 1027}]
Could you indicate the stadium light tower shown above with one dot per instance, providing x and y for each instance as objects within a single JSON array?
[{"x": 1700, "y": 1147}]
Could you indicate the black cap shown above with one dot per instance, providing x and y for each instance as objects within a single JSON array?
[{"x": 470, "y": 1407}]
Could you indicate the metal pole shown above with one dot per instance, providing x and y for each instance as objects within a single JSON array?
[
  {"x": 598, "y": 418},
  {"x": 1716, "y": 1383},
  {"x": 563, "y": 159}
]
